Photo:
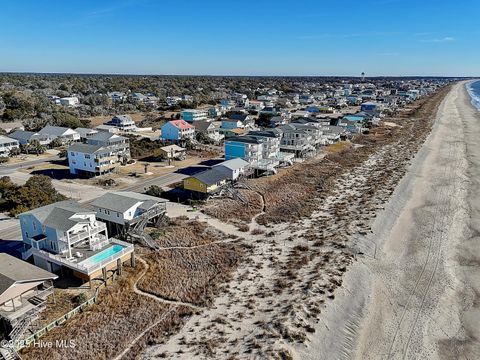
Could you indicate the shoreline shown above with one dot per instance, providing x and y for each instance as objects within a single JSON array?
[
  {"x": 278, "y": 297},
  {"x": 375, "y": 320}
]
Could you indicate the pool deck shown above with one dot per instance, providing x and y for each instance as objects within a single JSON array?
[{"x": 82, "y": 253}]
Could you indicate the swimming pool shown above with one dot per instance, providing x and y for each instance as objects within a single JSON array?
[{"x": 102, "y": 255}]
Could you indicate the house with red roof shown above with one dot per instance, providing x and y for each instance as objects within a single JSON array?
[{"x": 177, "y": 130}]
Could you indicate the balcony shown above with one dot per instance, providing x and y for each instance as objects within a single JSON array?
[
  {"x": 86, "y": 234},
  {"x": 98, "y": 243}
]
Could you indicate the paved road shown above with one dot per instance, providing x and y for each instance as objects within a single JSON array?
[
  {"x": 7, "y": 169},
  {"x": 162, "y": 181}
]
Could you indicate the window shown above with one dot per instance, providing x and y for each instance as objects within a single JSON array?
[
  {"x": 87, "y": 156},
  {"x": 118, "y": 214},
  {"x": 34, "y": 226},
  {"x": 72, "y": 153}
]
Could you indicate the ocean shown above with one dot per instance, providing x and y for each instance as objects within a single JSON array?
[{"x": 474, "y": 91}]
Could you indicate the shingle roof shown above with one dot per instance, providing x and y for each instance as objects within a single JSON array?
[
  {"x": 210, "y": 176},
  {"x": 181, "y": 124},
  {"x": 121, "y": 201},
  {"x": 202, "y": 125},
  {"x": 233, "y": 164},
  {"x": 264, "y": 133},
  {"x": 85, "y": 148},
  {"x": 127, "y": 118},
  {"x": 57, "y": 215},
  {"x": 14, "y": 270},
  {"x": 54, "y": 130},
  {"x": 104, "y": 135},
  {"x": 172, "y": 147},
  {"x": 238, "y": 131},
  {"x": 21, "y": 135},
  {"x": 244, "y": 139},
  {"x": 241, "y": 117},
  {"x": 85, "y": 131},
  {"x": 6, "y": 139}
]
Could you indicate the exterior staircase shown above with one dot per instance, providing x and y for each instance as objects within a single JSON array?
[
  {"x": 7, "y": 353},
  {"x": 137, "y": 229}
]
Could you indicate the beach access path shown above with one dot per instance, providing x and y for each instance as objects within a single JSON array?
[{"x": 420, "y": 297}]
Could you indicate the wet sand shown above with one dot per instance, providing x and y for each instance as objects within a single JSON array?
[{"x": 420, "y": 297}]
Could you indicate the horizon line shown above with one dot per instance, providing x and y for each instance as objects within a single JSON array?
[{"x": 224, "y": 75}]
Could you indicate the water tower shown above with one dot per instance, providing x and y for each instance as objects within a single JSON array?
[{"x": 363, "y": 76}]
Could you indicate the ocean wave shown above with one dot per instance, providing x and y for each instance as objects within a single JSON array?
[{"x": 474, "y": 92}]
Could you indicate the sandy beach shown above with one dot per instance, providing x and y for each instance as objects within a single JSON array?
[
  {"x": 403, "y": 284},
  {"x": 419, "y": 299}
]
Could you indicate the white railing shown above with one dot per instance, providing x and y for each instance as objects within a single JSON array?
[
  {"x": 117, "y": 255},
  {"x": 86, "y": 268},
  {"x": 99, "y": 243},
  {"x": 74, "y": 238},
  {"x": 60, "y": 260}
]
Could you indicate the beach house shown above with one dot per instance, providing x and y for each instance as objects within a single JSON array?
[
  {"x": 7, "y": 145},
  {"x": 122, "y": 210},
  {"x": 26, "y": 137},
  {"x": 92, "y": 160},
  {"x": 229, "y": 124},
  {"x": 85, "y": 133},
  {"x": 116, "y": 96},
  {"x": 209, "y": 130},
  {"x": 106, "y": 139},
  {"x": 63, "y": 134},
  {"x": 206, "y": 182},
  {"x": 69, "y": 101},
  {"x": 172, "y": 152},
  {"x": 192, "y": 115},
  {"x": 233, "y": 168},
  {"x": 270, "y": 140},
  {"x": 122, "y": 122},
  {"x": 67, "y": 238},
  {"x": 297, "y": 140},
  {"x": 24, "y": 290},
  {"x": 177, "y": 130},
  {"x": 247, "y": 148}
]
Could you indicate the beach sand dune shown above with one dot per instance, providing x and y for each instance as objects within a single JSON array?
[{"x": 419, "y": 299}]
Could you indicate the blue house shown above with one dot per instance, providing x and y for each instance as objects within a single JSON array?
[
  {"x": 243, "y": 147},
  {"x": 177, "y": 130},
  {"x": 312, "y": 109},
  {"x": 229, "y": 124},
  {"x": 192, "y": 115},
  {"x": 369, "y": 106}
]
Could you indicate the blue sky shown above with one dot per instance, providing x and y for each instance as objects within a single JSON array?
[{"x": 231, "y": 37}]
